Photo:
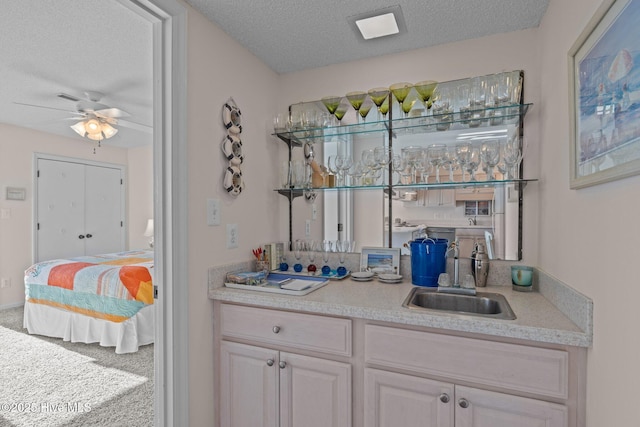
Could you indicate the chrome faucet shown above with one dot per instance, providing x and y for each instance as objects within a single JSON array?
[{"x": 473, "y": 221}]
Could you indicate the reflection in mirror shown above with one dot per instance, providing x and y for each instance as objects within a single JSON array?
[{"x": 466, "y": 155}]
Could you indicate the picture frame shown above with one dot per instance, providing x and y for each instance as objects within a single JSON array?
[
  {"x": 604, "y": 96},
  {"x": 380, "y": 260}
]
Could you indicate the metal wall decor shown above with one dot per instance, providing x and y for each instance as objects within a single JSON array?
[{"x": 232, "y": 148}]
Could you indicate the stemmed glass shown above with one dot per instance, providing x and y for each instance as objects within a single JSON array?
[
  {"x": 311, "y": 248},
  {"x": 473, "y": 162},
  {"x": 356, "y": 99},
  {"x": 512, "y": 156},
  {"x": 343, "y": 247},
  {"x": 378, "y": 95},
  {"x": 425, "y": 91},
  {"x": 490, "y": 156},
  {"x": 401, "y": 91},
  {"x": 365, "y": 108},
  {"x": 436, "y": 153},
  {"x": 408, "y": 104},
  {"x": 331, "y": 103},
  {"x": 347, "y": 162},
  {"x": 341, "y": 111},
  {"x": 369, "y": 162},
  {"x": 384, "y": 108},
  {"x": 297, "y": 252},
  {"x": 382, "y": 157},
  {"x": 463, "y": 156},
  {"x": 326, "y": 250},
  {"x": 355, "y": 172},
  {"x": 449, "y": 161},
  {"x": 398, "y": 166}
]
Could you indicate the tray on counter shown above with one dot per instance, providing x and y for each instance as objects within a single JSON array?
[
  {"x": 275, "y": 281},
  {"x": 318, "y": 274}
]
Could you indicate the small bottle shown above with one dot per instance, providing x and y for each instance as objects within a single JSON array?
[{"x": 481, "y": 268}]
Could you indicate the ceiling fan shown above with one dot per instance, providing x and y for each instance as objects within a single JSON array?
[{"x": 95, "y": 120}]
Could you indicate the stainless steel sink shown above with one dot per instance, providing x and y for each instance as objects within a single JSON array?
[{"x": 482, "y": 304}]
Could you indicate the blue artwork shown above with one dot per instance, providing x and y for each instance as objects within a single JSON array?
[{"x": 609, "y": 94}]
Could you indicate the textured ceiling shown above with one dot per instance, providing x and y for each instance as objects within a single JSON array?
[
  {"x": 74, "y": 46},
  {"x": 292, "y": 35}
]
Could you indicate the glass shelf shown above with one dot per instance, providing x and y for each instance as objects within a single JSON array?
[
  {"x": 491, "y": 117},
  {"x": 296, "y": 192}
]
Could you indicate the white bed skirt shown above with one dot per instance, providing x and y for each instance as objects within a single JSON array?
[{"x": 125, "y": 336}]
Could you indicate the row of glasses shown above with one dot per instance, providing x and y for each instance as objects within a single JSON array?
[{"x": 415, "y": 164}]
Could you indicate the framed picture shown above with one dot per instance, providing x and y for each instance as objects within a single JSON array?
[
  {"x": 380, "y": 260},
  {"x": 604, "y": 96}
]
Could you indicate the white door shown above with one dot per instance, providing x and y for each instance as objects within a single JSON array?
[
  {"x": 481, "y": 408},
  {"x": 314, "y": 392},
  {"x": 103, "y": 210},
  {"x": 248, "y": 386},
  {"x": 393, "y": 400},
  {"x": 79, "y": 209}
]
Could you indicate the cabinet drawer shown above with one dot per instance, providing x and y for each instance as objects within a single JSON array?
[
  {"x": 513, "y": 366},
  {"x": 303, "y": 331}
]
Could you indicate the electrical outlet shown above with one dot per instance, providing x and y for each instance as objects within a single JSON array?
[
  {"x": 5, "y": 283},
  {"x": 307, "y": 228},
  {"x": 213, "y": 212},
  {"x": 232, "y": 236}
]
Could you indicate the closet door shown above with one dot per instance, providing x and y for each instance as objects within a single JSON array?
[
  {"x": 60, "y": 210},
  {"x": 79, "y": 209},
  {"x": 103, "y": 210}
]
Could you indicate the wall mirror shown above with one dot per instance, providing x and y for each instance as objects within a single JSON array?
[{"x": 389, "y": 186}]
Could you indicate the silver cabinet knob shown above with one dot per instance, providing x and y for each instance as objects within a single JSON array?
[
  {"x": 464, "y": 403},
  {"x": 444, "y": 398},
  {"x": 282, "y": 365},
  {"x": 276, "y": 329},
  {"x": 270, "y": 362}
]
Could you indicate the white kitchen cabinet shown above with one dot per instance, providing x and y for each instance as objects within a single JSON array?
[
  {"x": 474, "y": 193},
  {"x": 272, "y": 387},
  {"x": 393, "y": 399},
  {"x": 444, "y": 198}
]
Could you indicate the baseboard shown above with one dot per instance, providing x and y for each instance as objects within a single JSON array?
[{"x": 12, "y": 305}]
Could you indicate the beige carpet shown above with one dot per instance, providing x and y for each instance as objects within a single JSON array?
[{"x": 48, "y": 382}]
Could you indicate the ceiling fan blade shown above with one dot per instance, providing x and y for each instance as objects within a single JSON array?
[
  {"x": 68, "y": 97},
  {"x": 112, "y": 112},
  {"x": 48, "y": 108},
  {"x": 135, "y": 126}
]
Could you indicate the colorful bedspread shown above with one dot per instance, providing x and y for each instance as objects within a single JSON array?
[{"x": 110, "y": 286}]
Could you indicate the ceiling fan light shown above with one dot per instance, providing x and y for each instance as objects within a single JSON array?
[
  {"x": 79, "y": 128},
  {"x": 95, "y": 136},
  {"x": 108, "y": 131},
  {"x": 93, "y": 126}
]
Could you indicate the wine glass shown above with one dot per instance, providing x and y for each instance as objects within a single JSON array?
[
  {"x": 490, "y": 156},
  {"x": 401, "y": 91},
  {"x": 442, "y": 108},
  {"x": 311, "y": 248},
  {"x": 343, "y": 247},
  {"x": 512, "y": 156},
  {"x": 340, "y": 112},
  {"x": 384, "y": 108},
  {"x": 347, "y": 162},
  {"x": 398, "y": 166},
  {"x": 408, "y": 104},
  {"x": 378, "y": 95},
  {"x": 473, "y": 162},
  {"x": 355, "y": 172},
  {"x": 297, "y": 253},
  {"x": 463, "y": 155},
  {"x": 425, "y": 91},
  {"x": 326, "y": 250},
  {"x": 436, "y": 153},
  {"x": 449, "y": 162}
]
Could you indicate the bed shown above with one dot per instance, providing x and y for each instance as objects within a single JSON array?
[{"x": 106, "y": 299}]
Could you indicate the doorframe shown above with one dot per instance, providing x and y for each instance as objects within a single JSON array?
[
  {"x": 171, "y": 369},
  {"x": 123, "y": 195}
]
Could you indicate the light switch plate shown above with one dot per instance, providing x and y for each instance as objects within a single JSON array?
[{"x": 213, "y": 212}]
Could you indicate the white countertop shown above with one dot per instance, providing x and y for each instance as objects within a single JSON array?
[{"x": 537, "y": 319}]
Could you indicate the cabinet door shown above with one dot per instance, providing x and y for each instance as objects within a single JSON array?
[
  {"x": 314, "y": 392},
  {"x": 248, "y": 386},
  {"x": 393, "y": 400},
  {"x": 448, "y": 198},
  {"x": 490, "y": 409}
]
